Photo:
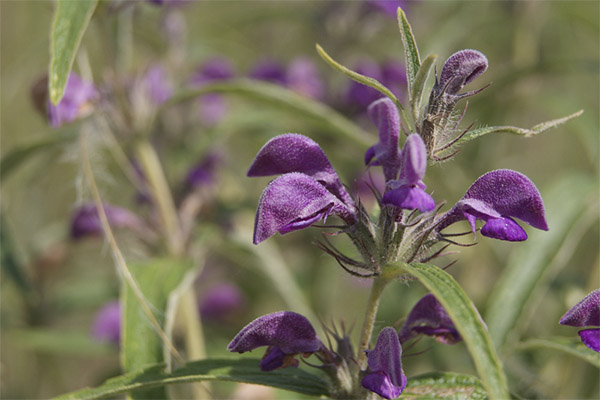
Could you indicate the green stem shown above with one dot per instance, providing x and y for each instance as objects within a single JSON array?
[{"x": 367, "y": 328}]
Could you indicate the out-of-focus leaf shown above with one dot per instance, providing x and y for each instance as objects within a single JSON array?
[
  {"x": 444, "y": 385},
  {"x": 233, "y": 370},
  {"x": 58, "y": 342},
  {"x": 537, "y": 129},
  {"x": 365, "y": 80},
  {"x": 468, "y": 323},
  {"x": 411, "y": 52},
  {"x": 284, "y": 98},
  {"x": 11, "y": 265},
  {"x": 140, "y": 344},
  {"x": 573, "y": 346},
  {"x": 70, "y": 22},
  {"x": 564, "y": 202},
  {"x": 418, "y": 95}
]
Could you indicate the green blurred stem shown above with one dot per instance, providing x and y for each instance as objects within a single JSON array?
[{"x": 367, "y": 328}]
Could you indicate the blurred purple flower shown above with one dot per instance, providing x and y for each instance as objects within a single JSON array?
[
  {"x": 309, "y": 190},
  {"x": 586, "y": 313},
  {"x": 157, "y": 85},
  {"x": 168, "y": 3},
  {"x": 270, "y": 71},
  {"x": 495, "y": 198},
  {"x": 285, "y": 333},
  {"x": 303, "y": 77},
  {"x": 107, "y": 323},
  {"x": 221, "y": 301},
  {"x": 429, "y": 317},
  {"x": 385, "y": 375},
  {"x": 394, "y": 77},
  {"x": 85, "y": 220},
  {"x": 76, "y": 102},
  {"x": 408, "y": 192},
  {"x": 203, "y": 173},
  {"x": 391, "y": 74},
  {"x": 213, "y": 107},
  {"x": 388, "y": 7}
]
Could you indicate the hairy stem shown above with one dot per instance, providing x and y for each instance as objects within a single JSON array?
[{"x": 367, "y": 328}]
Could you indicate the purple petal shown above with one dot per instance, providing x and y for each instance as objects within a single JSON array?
[
  {"x": 203, "y": 173},
  {"x": 215, "y": 69},
  {"x": 275, "y": 358},
  {"x": 394, "y": 77},
  {"x": 413, "y": 159},
  {"x": 85, "y": 220},
  {"x": 75, "y": 103},
  {"x": 388, "y": 7},
  {"x": 384, "y": 115},
  {"x": 504, "y": 228},
  {"x": 409, "y": 197},
  {"x": 290, "y": 332},
  {"x": 303, "y": 77},
  {"x": 107, "y": 323},
  {"x": 386, "y": 376},
  {"x": 221, "y": 301},
  {"x": 591, "y": 338},
  {"x": 360, "y": 96},
  {"x": 461, "y": 68},
  {"x": 584, "y": 313},
  {"x": 270, "y": 71},
  {"x": 429, "y": 317}
]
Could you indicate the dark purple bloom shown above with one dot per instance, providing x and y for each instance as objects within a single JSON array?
[
  {"x": 586, "y": 313},
  {"x": 429, "y": 317},
  {"x": 285, "y": 332},
  {"x": 221, "y": 301},
  {"x": 85, "y": 220},
  {"x": 386, "y": 153},
  {"x": 203, "y": 173},
  {"x": 459, "y": 69},
  {"x": 270, "y": 71},
  {"x": 385, "y": 375},
  {"x": 75, "y": 103},
  {"x": 157, "y": 86},
  {"x": 496, "y": 197},
  {"x": 309, "y": 190},
  {"x": 303, "y": 77},
  {"x": 408, "y": 192},
  {"x": 107, "y": 323}
]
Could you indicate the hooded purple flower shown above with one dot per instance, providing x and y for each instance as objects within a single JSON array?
[
  {"x": 303, "y": 77},
  {"x": 107, "y": 323},
  {"x": 221, "y": 301},
  {"x": 495, "y": 198},
  {"x": 586, "y": 313},
  {"x": 85, "y": 220},
  {"x": 385, "y": 375},
  {"x": 384, "y": 114},
  {"x": 429, "y": 317},
  {"x": 285, "y": 332},
  {"x": 461, "y": 68},
  {"x": 408, "y": 192},
  {"x": 157, "y": 86},
  {"x": 75, "y": 103},
  {"x": 308, "y": 191}
]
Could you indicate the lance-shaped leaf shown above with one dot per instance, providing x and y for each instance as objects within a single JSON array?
[
  {"x": 567, "y": 345},
  {"x": 468, "y": 323},
  {"x": 411, "y": 52},
  {"x": 444, "y": 385},
  {"x": 418, "y": 94}
]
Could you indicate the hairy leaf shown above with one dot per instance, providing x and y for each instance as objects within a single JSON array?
[
  {"x": 444, "y": 385},
  {"x": 411, "y": 52},
  {"x": 573, "y": 346},
  {"x": 418, "y": 94}
]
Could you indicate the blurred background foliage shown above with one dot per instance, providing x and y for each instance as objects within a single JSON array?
[{"x": 544, "y": 64}]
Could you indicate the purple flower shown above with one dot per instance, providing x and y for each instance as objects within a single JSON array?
[
  {"x": 285, "y": 332},
  {"x": 203, "y": 173},
  {"x": 388, "y": 7},
  {"x": 303, "y": 77},
  {"x": 212, "y": 106},
  {"x": 385, "y": 376},
  {"x": 360, "y": 96},
  {"x": 586, "y": 313},
  {"x": 107, "y": 323},
  {"x": 459, "y": 69},
  {"x": 408, "y": 192},
  {"x": 384, "y": 114},
  {"x": 85, "y": 220},
  {"x": 157, "y": 86},
  {"x": 308, "y": 191},
  {"x": 76, "y": 102},
  {"x": 394, "y": 77},
  {"x": 429, "y": 317},
  {"x": 496, "y": 197},
  {"x": 221, "y": 301},
  {"x": 270, "y": 71}
]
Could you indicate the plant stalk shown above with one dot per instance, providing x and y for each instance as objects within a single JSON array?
[{"x": 367, "y": 328}]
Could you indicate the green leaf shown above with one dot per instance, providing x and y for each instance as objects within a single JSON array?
[
  {"x": 531, "y": 259},
  {"x": 59, "y": 342},
  {"x": 444, "y": 385},
  {"x": 243, "y": 370},
  {"x": 140, "y": 344},
  {"x": 411, "y": 52},
  {"x": 70, "y": 22},
  {"x": 468, "y": 323},
  {"x": 365, "y": 80},
  {"x": 418, "y": 94},
  {"x": 537, "y": 129},
  {"x": 573, "y": 346},
  {"x": 283, "y": 98}
]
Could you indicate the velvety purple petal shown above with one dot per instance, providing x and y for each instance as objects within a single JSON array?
[
  {"x": 386, "y": 376},
  {"x": 591, "y": 338},
  {"x": 76, "y": 102},
  {"x": 409, "y": 197},
  {"x": 504, "y": 228},
  {"x": 384, "y": 115},
  {"x": 291, "y": 200},
  {"x": 286, "y": 330},
  {"x": 584, "y": 313},
  {"x": 107, "y": 323},
  {"x": 461, "y": 68},
  {"x": 303, "y": 77},
  {"x": 429, "y": 317},
  {"x": 413, "y": 159}
]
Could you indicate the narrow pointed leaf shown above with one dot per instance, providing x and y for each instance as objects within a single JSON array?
[
  {"x": 532, "y": 259},
  {"x": 243, "y": 370},
  {"x": 365, "y": 80},
  {"x": 411, "y": 52},
  {"x": 70, "y": 22},
  {"x": 444, "y": 385},
  {"x": 568, "y": 345},
  {"x": 418, "y": 94},
  {"x": 537, "y": 129},
  {"x": 468, "y": 323}
]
